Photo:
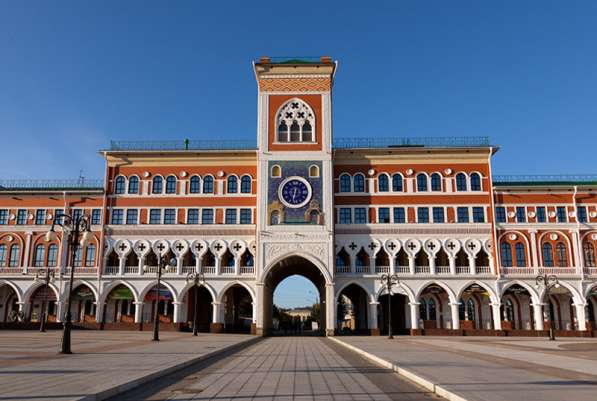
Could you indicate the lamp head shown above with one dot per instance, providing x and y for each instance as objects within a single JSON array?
[
  {"x": 86, "y": 238},
  {"x": 51, "y": 235},
  {"x": 172, "y": 262}
]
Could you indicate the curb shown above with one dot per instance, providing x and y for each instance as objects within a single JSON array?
[
  {"x": 121, "y": 388},
  {"x": 421, "y": 381}
]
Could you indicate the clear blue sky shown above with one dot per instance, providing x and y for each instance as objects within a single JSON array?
[{"x": 75, "y": 75}]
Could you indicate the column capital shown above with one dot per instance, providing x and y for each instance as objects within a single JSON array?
[
  {"x": 138, "y": 302},
  {"x": 414, "y": 303}
]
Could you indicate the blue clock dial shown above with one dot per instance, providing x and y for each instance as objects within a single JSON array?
[{"x": 295, "y": 192}]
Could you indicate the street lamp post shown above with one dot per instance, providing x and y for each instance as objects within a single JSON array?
[
  {"x": 390, "y": 280},
  {"x": 162, "y": 266},
  {"x": 47, "y": 277},
  {"x": 74, "y": 226},
  {"x": 549, "y": 282},
  {"x": 196, "y": 278}
]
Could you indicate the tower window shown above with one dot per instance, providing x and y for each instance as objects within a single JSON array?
[{"x": 296, "y": 122}]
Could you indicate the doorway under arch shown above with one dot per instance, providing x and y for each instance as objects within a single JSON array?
[
  {"x": 290, "y": 266},
  {"x": 352, "y": 313}
]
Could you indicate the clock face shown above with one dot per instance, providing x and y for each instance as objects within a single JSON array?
[{"x": 294, "y": 192}]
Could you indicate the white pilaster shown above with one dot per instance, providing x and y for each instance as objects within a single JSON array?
[
  {"x": 581, "y": 317},
  {"x": 455, "y": 316},
  {"x": 138, "y": 312},
  {"x": 414, "y": 315},
  {"x": 497, "y": 316},
  {"x": 373, "y": 315},
  {"x": 538, "y": 316}
]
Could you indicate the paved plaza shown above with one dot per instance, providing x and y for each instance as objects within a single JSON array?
[
  {"x": 103, "y": 361},
  {"x": 495, "y": 369}
]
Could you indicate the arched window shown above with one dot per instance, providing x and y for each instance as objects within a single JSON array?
[
  {"x": 475, "y": 182},
  {"x": 245, "y": 184},
  {"x": 509, "y": 311},
  {"x": 195, "y": 184},
  {"x": 314, "y": 171},
  {"x": 90, "y": 256},
  {"x": 134, "y": 185},
  {"x": 547, "y": 255},
  {"x": 274, "y": 218},
  {"x": 171, "y": 184},
  {"x": 436, "y": 182},
  {"x": 314, "y": 217},
  {"x": 232, "y": 186},
  {"x": 2, "y": 255},
  {"x": 561, "y": 256},
  {"x": 344, "y": 183},
  {"x": 460, "y": 182},
  {"x": 520, "y": 255},
  {"x": 506, "y": 254},
  {"x": 397, "y": 183},
  {"x": 282, "y": 132},
  {"x": 52, "y": 255},
  {"x": 40, "y": 251},
  {"x": 383, "y": 183},
  {"x": 119, "y": 185},
  {"x": 14, "y": 258},
  {"x": 276, "y": 171},
  {"x": 296, "y": 122},
  {"x": 157, "y": 185},
  {"x": 208, "y": 185},
  {"x": 359, "y": 183},
  {"x": 470, "y": 309},
  {"x": 421, "y": 182},
  {"x": 589, "y": 252}
]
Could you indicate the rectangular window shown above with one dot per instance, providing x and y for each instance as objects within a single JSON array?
[
  {"x": 438, "y": 215},
  {"x": 582, "y": 214},
  {"x": 155, "y": 216},
  {"x": 132, "y": 216},
  {"x": 169, "y": 216},
  {"x": 58, "y": 212},
  {"x": 383, "y": 215},
  {"x": 3, "y": 216},
  {"x": 561, "y": 214},
  {"x": 77, "y": 213},
  {"x": 117, "y": 216},
  {"x": 245, "y": 216},
  {"x": 207, "y": 216},
  {"x": 15, "y": 256},
  {"x": 399, "y": 215},
  {"x": 230, "y": 217},
  {"x": 345, "y": 215},
  {"x": 360, "y": 215},
  {"x": 40, "y": 216},
  {"x": 78, "y": 256},
  {"x": 96, "y": 216},
  {"x": 193, "y": 216},
  {"x": 540, "y": 213},
  {"x": 500, "y": 214},
  {"x": 521, "y": 214},
  {"x": 22, "y": 216},
  {"x": 462, "y": 214},
  {"x": 478, "y": 214},
  {"x": 423, "y": 215},
  {"x": 90, "y": 256}
]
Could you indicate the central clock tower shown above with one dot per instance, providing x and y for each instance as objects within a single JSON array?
[{"x": 295, "y": 216}]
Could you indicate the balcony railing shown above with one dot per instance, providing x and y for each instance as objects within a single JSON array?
[
  {"x": 227, "y": 270},
  {"x": 111, "y": 270},
  {"x": 422, "y": 270},
  {"x": 382, "y": 269},
  {"x": 208, "y": 269},
  {"x": 400, "y": 142},
  {"x": 82, "y": 270},
  {"x": 10, "y": 270},
  {"x": 591, "y": 271},
  {"x": 463, "y": 270},
  {"x": 537, "y": 270},
  {"x": 362, "y": 269},
  {"x": 51, "y": 184},
  {"x": 188, "y": 269},
  {"x": 134, "y": 269},
  {"x": 442, "y": 269},
  {"x": 418, "y": 270},
  {"x": 247, "y": 270},
  {"x": 561, "y": 179},
  {"x": 402, "y": 269}
]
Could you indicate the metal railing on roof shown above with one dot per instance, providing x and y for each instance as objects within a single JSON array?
[
  {"x": 426, "y": 141},
  {"x": 51, "y": 184},
  {"x": 224, "y": 144},
  {"x": 545, "y": 179}
]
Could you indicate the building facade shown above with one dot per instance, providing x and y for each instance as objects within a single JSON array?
[{"x": 466, "y": 246}]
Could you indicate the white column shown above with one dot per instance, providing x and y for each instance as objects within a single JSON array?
[
  {"x": 472, "y": 264},
  {"x": 538, "y": 316},
  {"x": 432, "y": 264},
  {"x": 26, "y": 252},
  {"x": 138, "y": 312},
  {"x": 452, "y": 261},
  {"x": 237, "y": 265},
  {"x": 177, "y": 310},
  {"x": 330, "y": 310},
  {"x": 121, "y": 262},
  {"x": 179, "y": 265},
  {"x": 411, "y": 264},
  {"x": 254, "y": 309},
  {"x": 581, "y": 317},
  {"x": 455, "y": 316},
  {"x": 218, "y": 315},
  {"x": 392, "y": 265},
  {"x": 373, "y": 325},
  {"x": 497, "y": 316},
  {"x": 534, "y": 258},
  {"x": 576, "y": 253},
  {"x": 99, "y": 311},
  {"x": 414, "y": 315},
  {"x": 141, "y": 264},
  {"x": 60, "y": 311}
]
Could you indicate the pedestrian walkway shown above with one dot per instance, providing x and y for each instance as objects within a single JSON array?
[
  {"x": 284, "y": 369},
  {"x": 494, "y": 369},
  {"x": 103, "y": 361}
]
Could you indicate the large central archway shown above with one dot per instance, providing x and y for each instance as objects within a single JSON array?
[{"x": 279, "y": 271}]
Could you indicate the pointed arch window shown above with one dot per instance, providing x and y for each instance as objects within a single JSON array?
[
  {"x": 344, "y": 183},
  {"x": 589, "y": 252},
  {"x": 436, "y": 182},
  {"x": 134, "y": 185},
  {"x": 171, "y": 184},
  {"x": 397, "y": 183},
  {"x": 157, "y": 185},
  {"x": 245, "y": 184},
  {"x": 296, "y": 122},
  {"x": 208, "y": 185},
  {"x": 119, "y": 185},
  {"x": 421, "y": 182},
  {"x": 232, "y": 186},
  {"x": 195, "y": 184},
  {"x": 383, "y": 184},
  {"x": 359, "y": 183},
  {"x": 460, "y": 182}
]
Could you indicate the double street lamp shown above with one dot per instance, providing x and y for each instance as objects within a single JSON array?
[
  {"x": 549, "y": 282},
  {"x": 390, "y": 280},
  {"x": 197, "y": 279},
  {"x": 163, "y": 266},
  {"x": 73, "y": 227},
  {"x": 46, "y": 276}
]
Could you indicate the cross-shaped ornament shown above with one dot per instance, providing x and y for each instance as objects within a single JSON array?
[
  {"x": 141, "y": 247},
  {"x": 352, "y": 246},
  {"x": 122, "y": 247},
  {"x": 198, "y": 247},
  {"x": 179, "y": 247},
  {"x": 451, "y": 245},
  {"x": 237, "y": 247},
  {"x": 412, "y": 246},
  {"x": 431, "y": 246},
  {"x": 218, "y": 246},
  {"x": 161, "y": 247},
  {"x": 392, "y": 246},
  {"x": 372, "y": 246},
  {"x": 471, "y": 246}
]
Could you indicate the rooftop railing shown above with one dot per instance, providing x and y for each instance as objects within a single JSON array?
[
  {"x": 545, "y": 179},
  {"x": 51, "y": 184},
  {"x": 224, "y": 144}
]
